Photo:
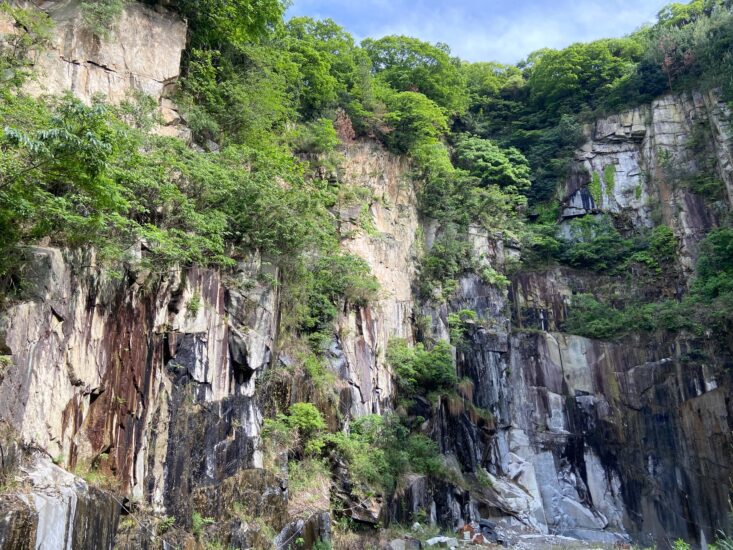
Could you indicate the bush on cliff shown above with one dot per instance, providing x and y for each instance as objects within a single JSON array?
[{"x": 418, "y": 370}]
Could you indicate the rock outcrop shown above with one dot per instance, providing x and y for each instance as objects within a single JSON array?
[
  {"x": 637, "y": 164},
  {"x": 141, "y": 53},
  {"x": 384, "y": 231},
  {"x": 147, "y": 380},
  {"x": 146, "y": 383}
]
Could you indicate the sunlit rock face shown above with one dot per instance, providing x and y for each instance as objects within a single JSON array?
[
  {"x": 383, "y": 230},
  {"x": 139, "y": 57},
  {"x": 141, "y": 53}
]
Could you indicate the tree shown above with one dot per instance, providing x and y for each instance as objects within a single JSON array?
[
  {"x": 414, "y": 120},
  {"x": 214, "y": 24},
  {"x": 563, "y": 81},
  {"x": 715, "y": 265},
  {"x": 410, "y": 65},
  {"x": 489, "y": 80},
  {"x": 491, "y": 164},
  {"x": 419, "y": 370}
]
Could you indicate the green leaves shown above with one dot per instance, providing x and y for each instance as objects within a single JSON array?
[
  {"x": 298, "y": 431},
  {"x": 79, "y": 175},
  {"x": 330, "y": 281},
  {"x": 56, "y": 180},
  {"x": 419, "y": 371},
  {"x": 380, "y": 449},
  {"x": 214, "y": 23},
  {"x": 493, "y": 165},
  {"x": 408, "y": 64},
  {"x": 414, "y": 120},
  {"x": 715, "y": 265},
  {"x": 32, "y": 33},
  {"x": 99, "y": 16},
  {"x": 566, "y": 80}
]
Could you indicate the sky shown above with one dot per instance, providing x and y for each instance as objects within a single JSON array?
[{"x": 486, "y": 30}]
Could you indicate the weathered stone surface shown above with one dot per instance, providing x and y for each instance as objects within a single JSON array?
[
  {"x": 157, "y": 372},
  {"x": 260, "y": 493},
  {"x": 391, "y": 251},
  {"x": 304, "y": 534},
  {"x": 18, "y": 523},
  {"x": 142, "y": 53},
  {"x": 645, "y": 150},
  {"x": 125, "y": 368},
  {"x": 56, "y": 509}
]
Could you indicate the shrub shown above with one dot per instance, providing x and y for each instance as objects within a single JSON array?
[
  {"x": 194, "y": 304},
  {"x": 421, "y": 371},
  {"x": 589, "y": 317},
  {"x": 333, "y": 280},
  {"x": 715, "y": 265},
  {"x": 414, "y": 120},
  {"x": 198, "y": 522},
  {"x": 458, "y": 325},
  {"x": 317, "y": 137},
  {"x": 166, "y": 522},
  {"x": 32, "y": 35},
  {"x": 298, "y": 431},
  {"x": 594, "y": 319},
  {"x": 305, "y": 418},
  {"x": 379, "y": 449},
  {"x": 491, "y": 164},
  {"x": 449, "y": 257},
  {"x": 595, "y": 243},
  {"x": 100, "y": 16}
]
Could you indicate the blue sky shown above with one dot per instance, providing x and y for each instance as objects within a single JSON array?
[{"x": 486, "y": 30}]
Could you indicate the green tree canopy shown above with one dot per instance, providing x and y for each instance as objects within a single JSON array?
[
  {"x": 490, "y": 79},
  {"x": 216, "y": 23},
  {"x": 567, "y": 80},
  {"x": 414, "y": 120},
  {"x": 409, "y": 64},
  {"x": 491, "y": 164}
]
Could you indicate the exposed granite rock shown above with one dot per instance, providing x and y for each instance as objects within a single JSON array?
[
  {"x": 635, "y": 159},
  {"x": 304, "y": 534},
  {"x": 562, "y": 434},
  {"x": 129, "y": 370},
  {"x": 390, "y": 249},
  {"x": 56, "y": 509},
  {"x": 140, "y": 55},
  {"x": 142, "y": 52},
  {"x": 18, "y": 523}
]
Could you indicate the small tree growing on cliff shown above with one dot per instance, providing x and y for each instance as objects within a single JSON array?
[
  {"x": 298, "y": 430},
  {"x": 31, "y": 35},
  {"x": 100, "y": 17}
]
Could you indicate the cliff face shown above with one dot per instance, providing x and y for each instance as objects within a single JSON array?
[
  {"x": 142, "y": 53},
  {"x": 636, "y": 163},
  {"x": 384, "y": 231},
  {"x": 150, "y": 380}
]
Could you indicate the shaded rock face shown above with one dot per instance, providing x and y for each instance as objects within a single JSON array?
[
  {"x": 589, "y": 439},
  {"x": 593, "y": 440},
  {"x": 305, "y": 533},
  {"x": 149, "y": 379},
  {"x": 57, "y": 510},
  {"x": 640, "y": 159}
]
